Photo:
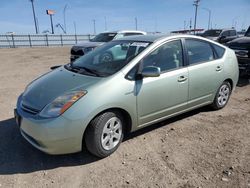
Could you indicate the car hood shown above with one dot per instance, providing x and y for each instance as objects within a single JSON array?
[
  {"x": 88, "y": 44},
  {"x": 46, "y": 88},
  {"x": 240, "y": 43}
]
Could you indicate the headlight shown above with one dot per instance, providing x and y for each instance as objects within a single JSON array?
[
  {"x": 87, "y": 50},
  {"x": 61, "y": 104}
]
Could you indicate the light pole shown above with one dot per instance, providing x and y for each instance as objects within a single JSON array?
[
  {"x": 94, "y": 26},
  {"x": 196, "y": 4},
  {"x": 34, "y": 15},
  {"x": 136, "y": 26},
  {"x": 64, "y": 18},
  {"x": 105, "y": 23},
  {"x": 51, "y": 13},
  {"x": 209, "y": 16}
]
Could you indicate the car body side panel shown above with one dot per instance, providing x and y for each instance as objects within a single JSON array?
[{"x": 231, "y": 69}]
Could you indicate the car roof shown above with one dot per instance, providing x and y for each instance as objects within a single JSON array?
[
  {"x": 159, "y": 37},
  {"x": 126, "y": 31},
  {"x": 145, "y": 38}
]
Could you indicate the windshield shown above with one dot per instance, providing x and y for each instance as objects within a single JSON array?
[
  {"x": 103, "y": 37},
  {"x": 212, "y": 33},
  {"x": 108, "y": 59}
]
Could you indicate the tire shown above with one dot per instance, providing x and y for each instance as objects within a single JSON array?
[
  {"x": 104, "y": 134},
  {"x": 222, "y": 96}
]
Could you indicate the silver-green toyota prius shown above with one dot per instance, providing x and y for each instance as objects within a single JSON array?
[{"x": 123, "y": 86}]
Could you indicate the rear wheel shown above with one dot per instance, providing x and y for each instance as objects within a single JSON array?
[
  {"x": 104, "y": 134},
  {"x": 222, "y": 96}
]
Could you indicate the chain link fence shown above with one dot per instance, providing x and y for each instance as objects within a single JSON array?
[{"x": 14, "y": 41}]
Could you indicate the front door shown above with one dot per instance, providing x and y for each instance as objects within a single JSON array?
[{"x": 167, "y": 94}]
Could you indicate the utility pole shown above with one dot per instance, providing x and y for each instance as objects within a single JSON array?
[
  {"x": 34, "y": 15},
  {"x": 64, "y": 18},
  {"x": 196, "y": 4},
  {"x": 209, "y": 16},
  {"x": 136, "y": 26},
  {"x": 94, "y": 26}
]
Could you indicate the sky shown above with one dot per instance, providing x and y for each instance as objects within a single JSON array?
[{"x": 152, "y": 15}]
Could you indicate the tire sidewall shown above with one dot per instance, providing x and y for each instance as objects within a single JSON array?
[
  {"x": 216, "y": 103},
  {"x": 97, "y": 126}
]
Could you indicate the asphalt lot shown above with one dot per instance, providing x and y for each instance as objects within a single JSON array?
[{"x": 202, "y": 148}]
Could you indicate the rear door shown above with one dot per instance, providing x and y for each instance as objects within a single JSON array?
[{"x": 205, "y": 71}]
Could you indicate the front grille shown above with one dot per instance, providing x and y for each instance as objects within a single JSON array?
[
  {"x": 77, "y": 51},
  {"x": 29, "y": 109}
]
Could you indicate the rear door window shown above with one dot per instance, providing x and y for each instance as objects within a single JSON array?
[{"x": 198, "y": 51}]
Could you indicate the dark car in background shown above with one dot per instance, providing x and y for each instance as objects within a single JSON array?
[
  {"x": 220, "y": 35},
  {"x": 79, "y": 50},
  {"x": 241, "y": 46}
]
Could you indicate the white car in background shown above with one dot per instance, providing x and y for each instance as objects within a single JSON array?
[{"x": 79, "y": 50}]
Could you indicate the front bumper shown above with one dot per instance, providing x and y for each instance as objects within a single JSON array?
[{"x": 53, "y": 136}]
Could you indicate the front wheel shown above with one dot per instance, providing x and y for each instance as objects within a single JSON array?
[
  {"x": 104, "y": 134},
  {"x": 222, "y": 96}
]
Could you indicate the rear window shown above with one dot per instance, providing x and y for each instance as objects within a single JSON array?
[
  {"x": 131, "y": 34},
  {"x": 219, "y": 51},
  {"x": 233, "y": 33}
]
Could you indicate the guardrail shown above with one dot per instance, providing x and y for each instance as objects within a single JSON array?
[{"x": 14, "y": 41}]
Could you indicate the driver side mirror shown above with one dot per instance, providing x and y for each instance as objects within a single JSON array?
[{"x": 151, "y": 71}]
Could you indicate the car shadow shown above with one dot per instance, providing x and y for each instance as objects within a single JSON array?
[
  {"x": 167, "y": 122},
  {"x": 18, "y": 156},
  {"x": 243, "y": 81}
]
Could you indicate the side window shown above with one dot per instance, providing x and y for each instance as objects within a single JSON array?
[
  {"x": 131, "y": 34},
  {"x": 167, "y": 57},
  {"x": 232, "y": 33},
  {"x": 198, "y": 51},
  {"x": 225, "y": 34},
  {"x": 219, "y": 51}
]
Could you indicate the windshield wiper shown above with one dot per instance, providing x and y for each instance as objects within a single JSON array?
[{"x": 81, "y": 70}]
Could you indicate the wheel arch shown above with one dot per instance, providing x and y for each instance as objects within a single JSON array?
[{"x": 230, "y": 81}]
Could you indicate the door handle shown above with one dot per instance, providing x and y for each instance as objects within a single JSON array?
[
  {"x": 182, "y": 78},
  {"x": 218, "y": 68}
]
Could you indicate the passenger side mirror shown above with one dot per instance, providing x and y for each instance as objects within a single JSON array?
[{"x": 151, "y": 71}]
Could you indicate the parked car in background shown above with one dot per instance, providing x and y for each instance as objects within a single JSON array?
[
  {"x": 81, "y": 49},
  {"x": 93, "y": 101},
  {"x": 220, "y": 35},
  {"x": 241, "y": 46}
]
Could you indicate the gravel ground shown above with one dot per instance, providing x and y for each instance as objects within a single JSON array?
[{"x": 202, "y": 148}]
